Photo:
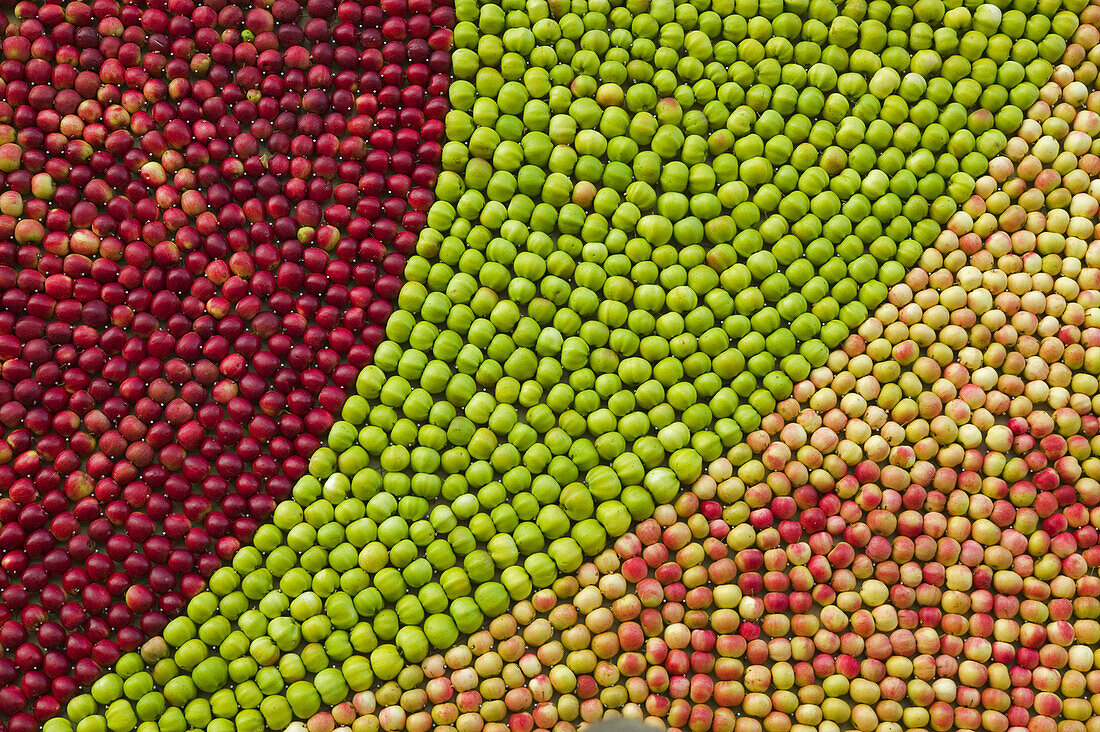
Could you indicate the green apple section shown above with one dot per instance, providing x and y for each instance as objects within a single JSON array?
[{"x": 652, "y": 219}]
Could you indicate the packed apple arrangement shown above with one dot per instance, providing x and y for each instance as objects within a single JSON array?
[{"x": 489, "y": 365}]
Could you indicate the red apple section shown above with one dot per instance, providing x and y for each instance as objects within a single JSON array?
[{"x": 206, "y": 211}]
